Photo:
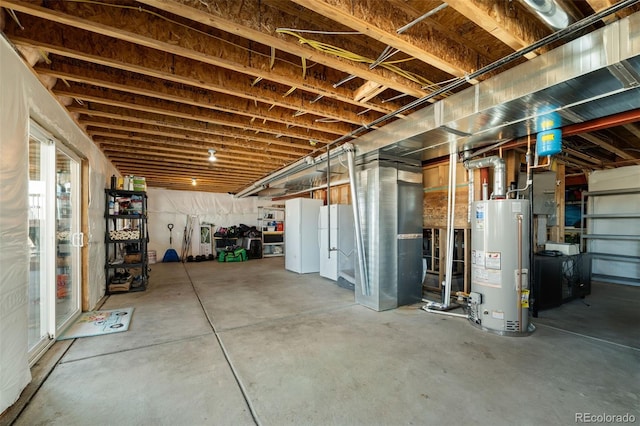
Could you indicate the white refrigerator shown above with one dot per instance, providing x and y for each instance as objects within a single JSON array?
[
  {"x": 342, "y": 239},
  {"x": 301, "y": 253}
]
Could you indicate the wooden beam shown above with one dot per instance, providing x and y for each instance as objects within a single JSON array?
[
  {"x": 160, "y": 34},
  {"x": 367, "y": 91},
  {"x": 183, "y": 170},
  {"x": 599, "y": 5},
  {"x": 606, "y": 145},
  {"x": 581, "y": 155},
  {"x": 249, "y": 21},
  {"x": 633, "y": 129},
  {"x": 221, "y": 182},
  {"x": 188, "y": 139},
  {"x": 127, "y": 82},
  {"x": 74, "y": 43},
  {"x": 170, "y": 145},
  {"x": 192, "y": 127},
  {"x": 579, "y": 164},
  {"x": 416, "y": 8},
  {"x": 105, "y": 141},
  {"x": 184, "y": 184},
  {"x": 140, "y": 103},
  {"x": 513, "y": 166},
  {"x": 515, "y": 33},
  {"x": 171, "y": 160},
  {"x": 212, "y": 184},
  {"x": 142, "y": 156},
  {"x": 380, "y": 21}
]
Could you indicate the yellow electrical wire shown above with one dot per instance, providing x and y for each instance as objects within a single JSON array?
[
  {"x": 345, "y": 54},
  {"x": 323, "y": 47},
  {"x": 157, "y": 15},
  {"x": 290, "y": 91},
  {"x": 45, "y": 56}
]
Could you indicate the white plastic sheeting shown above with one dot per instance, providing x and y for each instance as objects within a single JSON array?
[
  {"x": 14, "y": 230},
  {"x": 24, "y": 97},
  {"x": 168, "y": 206},
  {"x": 613, "y": 180}
]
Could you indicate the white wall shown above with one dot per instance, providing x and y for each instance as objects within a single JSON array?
[
  {"x": 22, "y": 97},
  {"x": 167, "y": 206}
]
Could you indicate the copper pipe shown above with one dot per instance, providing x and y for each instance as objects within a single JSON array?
[
  {"x": 602, "y": 123},
  {"x": 587, "y": 126}
]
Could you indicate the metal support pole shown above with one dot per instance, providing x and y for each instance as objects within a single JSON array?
[
  {"x": 328, "y": 203},
  {"x": 362, "y": 261}
]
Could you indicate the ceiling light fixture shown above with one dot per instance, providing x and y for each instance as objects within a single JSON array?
[
  {"x": 193, "y": 181},
  {"x": 212, "y": 155}
]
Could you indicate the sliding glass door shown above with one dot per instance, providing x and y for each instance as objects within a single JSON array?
[
  {"x": 41, "y": 228},
  {"x": 54, "y": 237},
  {"x": 68, "y": 237}
]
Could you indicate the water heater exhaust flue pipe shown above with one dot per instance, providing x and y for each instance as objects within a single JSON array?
[{"x": 499, "y": 172}]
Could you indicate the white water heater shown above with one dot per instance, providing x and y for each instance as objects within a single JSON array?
[{"x": 499, "y": 297}]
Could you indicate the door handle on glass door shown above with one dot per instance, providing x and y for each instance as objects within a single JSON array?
[{"x": 78, "y": 239}]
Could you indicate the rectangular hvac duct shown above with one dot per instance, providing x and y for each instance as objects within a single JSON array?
[
  {"x": 389, "y": 193},
  {"x": 593, "y": 76}
]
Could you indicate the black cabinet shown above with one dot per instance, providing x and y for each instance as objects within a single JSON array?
[
  {"x": 126, "y": 262},
  {"x": 559, "y": 279}
]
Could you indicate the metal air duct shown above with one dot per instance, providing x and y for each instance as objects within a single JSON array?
[
  {"x": 550, "y": 12},
  {"x": 499, "y": 173},
  {"x": 389, "y": 194}
]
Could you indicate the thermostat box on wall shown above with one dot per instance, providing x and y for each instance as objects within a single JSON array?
[{"x": 564, "y": 248}]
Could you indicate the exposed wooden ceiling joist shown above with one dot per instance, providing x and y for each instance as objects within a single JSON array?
[
  {"x": 255, "y": 22},
  {"x": 192, "y": 128},
  {"x": 189, "y": 140},
  {"x": 492, "y": 18},
  {"x": 368, "y": 18},
  {"x": 110, "y": 97},
  {"x": 156, "y": 83},
  {"x": 74, "y": 43},
  {"x": 598, "y": 141}
]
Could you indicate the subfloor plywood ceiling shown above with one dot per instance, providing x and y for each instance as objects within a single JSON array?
[{"x": 157, "y": 84}]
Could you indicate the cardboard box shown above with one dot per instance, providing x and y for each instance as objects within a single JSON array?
[{"x": 132, "y": 258}]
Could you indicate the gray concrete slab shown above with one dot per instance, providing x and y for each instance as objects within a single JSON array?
[
  {"x": 604, "y": 314},
  {"x": 304, "y": 353},
  {"x": 168, "y": 311},
  {"x": 353, "y": 366},
  {"x": 184, "y": 382},
  {"x": 261, "y": 290}
]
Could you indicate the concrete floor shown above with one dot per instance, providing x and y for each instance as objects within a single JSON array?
[{"x": 250, "y": 343}]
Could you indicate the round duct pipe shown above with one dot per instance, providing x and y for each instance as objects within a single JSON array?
[
  {"x": 550, "y": 12},
  {"x": 499, "y": 173}
]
